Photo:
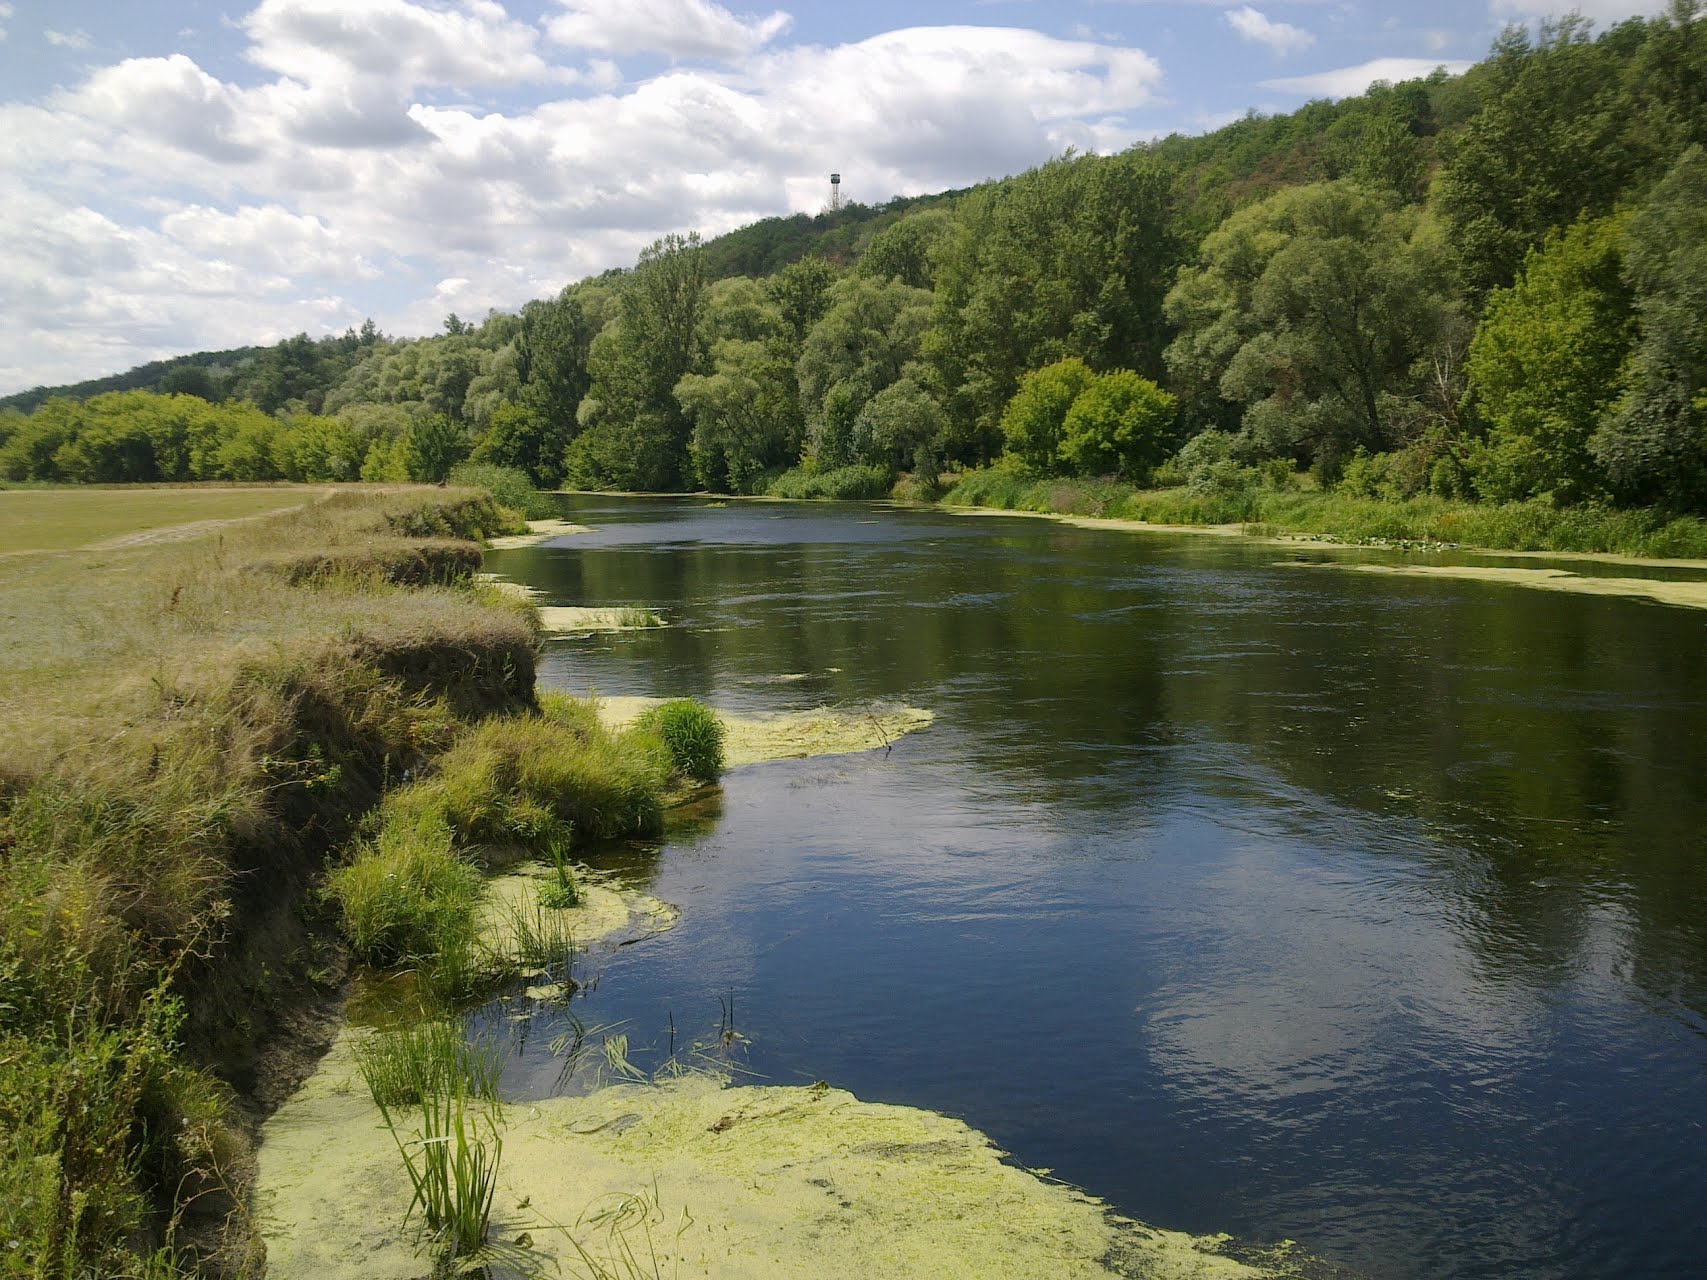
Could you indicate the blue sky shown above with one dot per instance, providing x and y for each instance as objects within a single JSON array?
[{"x": 193, "y": 174}]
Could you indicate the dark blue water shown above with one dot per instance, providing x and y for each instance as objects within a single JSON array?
[{"x": 1366, "y": 912}]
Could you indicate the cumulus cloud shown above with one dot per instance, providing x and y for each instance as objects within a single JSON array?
[
  {"x": 1346, "y": 81},
  {"x": 675, "y": 28},
  {"x": 1255, "y": 26},
  {"x": 169, "y": 209}
]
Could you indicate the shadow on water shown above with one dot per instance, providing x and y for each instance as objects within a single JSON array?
[{"x": 1366, "y": 911}]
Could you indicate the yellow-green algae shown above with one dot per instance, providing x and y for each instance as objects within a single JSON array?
[
  {"x": 790, "y": 735},
  {"x": 505, "y": 587},
  {"x": 538, "y": 531},
  {"x": 603, "y": 912},
  {"x": 567, "y": 619},
  {"x": 1689, "y": 594},
  {"x": 749, "y": 1181}
]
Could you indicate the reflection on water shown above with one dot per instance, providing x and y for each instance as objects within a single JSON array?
[{"x": 1366, "y": 911}]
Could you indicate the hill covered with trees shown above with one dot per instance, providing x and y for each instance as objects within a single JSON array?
[{"x": 1490, "y": 287}]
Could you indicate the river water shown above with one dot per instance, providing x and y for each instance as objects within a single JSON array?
[{"x": 1369, "y": 912}]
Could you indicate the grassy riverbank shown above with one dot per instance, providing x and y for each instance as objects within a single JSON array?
[
  {"x": 1537, "y": 525},
  {"x": 193, "y": 722}
]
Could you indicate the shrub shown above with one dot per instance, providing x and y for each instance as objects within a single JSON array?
[
  {"x": 692, "y": 734},
  {"x": 509, "y": 487},
  {"x": 857, "y": 481}
]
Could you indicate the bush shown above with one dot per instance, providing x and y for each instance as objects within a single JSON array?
[
  {"x": 692, "y": 734},
  {"x": 509, "y": 487},
  {"x": 857, "y": 481}
]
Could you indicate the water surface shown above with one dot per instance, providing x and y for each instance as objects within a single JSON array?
[{"x": 1365, "y": 911}]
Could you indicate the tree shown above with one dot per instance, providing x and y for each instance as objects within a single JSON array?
[
  {"x": 639, "y": 429},
  {"x": 1557, "y": 137},
  {"x": 801, "y": 291},
  {"x": 1122, "y": 423},
  {"x": 868, "y": 336},
  {"x": 1545, "y": 364},
  {"x": 435, "y": 444},
  {"x": 1072, "y": 259},
  {"x": 1308, "y": 311},
  {"x": 903, "y": 427},
  {"x": 1031, "y": 423},
  {"x": 746, "y": 419},
  {"x": 1653, "y": 442},
  {"x": 902, "y": 250}
]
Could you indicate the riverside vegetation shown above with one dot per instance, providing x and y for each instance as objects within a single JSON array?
[
  {"x": 194, "y": 727},
  {"x": 1458, "y": 309}
]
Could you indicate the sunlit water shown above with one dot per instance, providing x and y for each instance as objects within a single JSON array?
[{"x": 1368, "y": 912}]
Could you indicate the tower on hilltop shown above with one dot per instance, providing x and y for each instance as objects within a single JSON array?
[{"x": 835, "y": 192}]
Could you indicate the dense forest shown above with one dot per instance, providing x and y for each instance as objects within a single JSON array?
[{"x": 1488, "y": 286}]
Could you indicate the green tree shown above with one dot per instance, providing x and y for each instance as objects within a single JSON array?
[
  {"x": 636, "y": 431},
  {"x": 746, "y": 419},
  {"x": 435, "y": 444},
  {"x": 1122, "y": 424},
  {"x": 1545, "y": 364},
  {"x": 1309, "y": 312},
  {"x": 1557, "y": 137},
  {"x": 903, "y": 427},
  {"x": 552, "y": 362},
  {"x": 869, "y": 335},
  {"x": 1031, "y": 423},
  {"x": 801, "y": 291},
  {"x": 1073, "y": 259},
  {"x": 1653, "y": 442}
]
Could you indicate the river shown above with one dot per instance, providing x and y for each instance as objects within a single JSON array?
[{"x": 1365, "y": 911}]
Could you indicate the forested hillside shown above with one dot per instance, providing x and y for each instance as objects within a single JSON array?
[{"x": 1492, "y": 286}]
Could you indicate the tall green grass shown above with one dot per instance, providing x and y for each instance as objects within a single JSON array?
[
  {"x": 435, "y": 1092},
  {"x": 691, "y": 733}
]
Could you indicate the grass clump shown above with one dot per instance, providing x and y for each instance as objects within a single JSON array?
[
  {"x": 406, "y": 897},
  {"x": 435, "y": 1092},
  {"x": 691, "y": 733},
  {"x": 535, "y": 781},
  {"x": 405, "y": 1064}
]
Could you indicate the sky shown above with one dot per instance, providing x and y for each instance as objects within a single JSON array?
[{"x": 187, "y": 175}]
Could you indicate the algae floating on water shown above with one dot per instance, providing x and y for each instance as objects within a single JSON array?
[
  {"x": 1691, "y": 594},
  {"x": 538, "y": 531},
  {"x": 790, "y": 735},
  {"x": 571, "y": 619}
]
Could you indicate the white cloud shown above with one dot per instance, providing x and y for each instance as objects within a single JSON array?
[
  {"x": 5, "y": 12},
  {"x": 1346, "y": 81},
  {"x": 1602, "y": 11},
  {"x": 394, "y": 41},
  {"x": 1253, "y": 25},
  {"x": 167, "y": 209},
  {"x": 675, "y": 28},
  {"x": 73, "y": 39}
]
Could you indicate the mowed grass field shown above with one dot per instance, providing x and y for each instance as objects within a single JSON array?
[{"x": 66, "y": 519}]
